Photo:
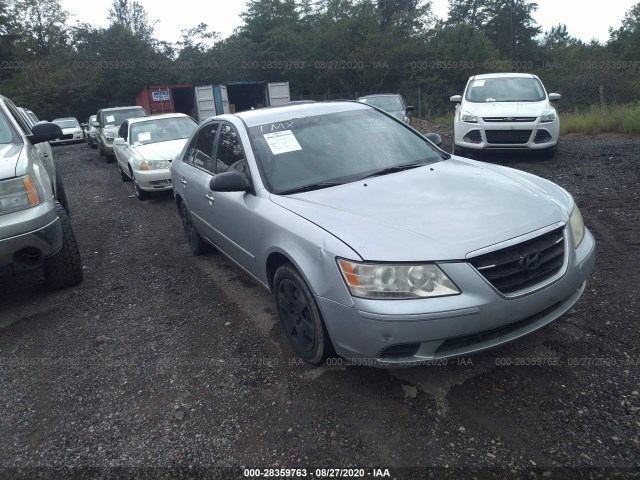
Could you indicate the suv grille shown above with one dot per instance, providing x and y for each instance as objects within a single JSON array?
[
  {"x": 509, "y": 119},
  {"x": 508, "y": 136},
  {"x": 524, "y": 265}
]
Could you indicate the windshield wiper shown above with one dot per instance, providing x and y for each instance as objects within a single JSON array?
[
  {"x": 394, "y": 169},
  {"x": 310, "y": 187}
]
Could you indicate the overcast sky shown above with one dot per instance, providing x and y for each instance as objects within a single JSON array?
[{"x": 585, "y": 19}]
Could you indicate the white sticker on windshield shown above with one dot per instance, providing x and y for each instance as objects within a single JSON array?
[
  {"x": 110, "y": 118},
  {"x": 282, "y": 142},
  {"x": 144, "y": 136},
  {"x": 478, "y": 83}
]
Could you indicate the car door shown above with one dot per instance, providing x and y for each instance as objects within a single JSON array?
[
  {"x": 230, "y": 213},
  {"x": 122, "y": 152},
  {"x": 194, "y": 174}
]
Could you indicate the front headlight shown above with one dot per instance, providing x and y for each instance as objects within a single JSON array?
[
  {"x": 110, "y": 136},
  {"x": 549, "y": 116},
  {"x": 577, "y": 226},
  {"x": 395, "y": 282},
  {"x": 18, "y": 194},
  {"x": 154, "y": 164},
  {"x": 468, "y": 118}
]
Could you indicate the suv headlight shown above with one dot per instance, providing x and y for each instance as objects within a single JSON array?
[
  {"x": 154, "y": 164},
  {"x": 549, "y": 116},
  {"x": 18, "y": 194},
  {"x": 468, "y": 118},
  {"x": 577, "y": 226},
  {"x": 395, "y": 282},
  {"x": 110, "y": 136}
]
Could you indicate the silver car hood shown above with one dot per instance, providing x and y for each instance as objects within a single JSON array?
[
  {"x": 161, "y": 150},
  {"x": 9, "y": 154},
  {"x": 438, "y": 212}
]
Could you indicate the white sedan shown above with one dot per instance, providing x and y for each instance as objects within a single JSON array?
[
  {"x": 71, "y": 131},
  {"x": 505, "y": 111},
  {"x": 145, "y": 148}
]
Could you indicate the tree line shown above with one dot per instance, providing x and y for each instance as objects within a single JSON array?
[{"x": 324, "y": 48}]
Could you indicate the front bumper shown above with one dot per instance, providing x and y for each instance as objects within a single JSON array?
[
  {"x": 378, "y": 332},
  {"x": 506, "y": 136},
  {"x": 28, "y": 237},
  {"x": 154, "y": 180}
]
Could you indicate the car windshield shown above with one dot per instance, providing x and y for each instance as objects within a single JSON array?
[
  {"x": 505, "y": 89},
  {"x": 388, "y": 104},
  {"x": 335, "y": 148},
  {"x": 116, "y": 117},
  {"x": 67, "y": 123},
  {"x": 162, "y": 130}
]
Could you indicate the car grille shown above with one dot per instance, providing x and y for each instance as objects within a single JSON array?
[
  {"x": 508, "y": 136},
  {"x": 68, "y": 136},
  {"x": 472, "y": 339},
  {"x": 401, "y": 351},
  {"x": 509, "y": 119},
  {"x": 524, "y": 265}
]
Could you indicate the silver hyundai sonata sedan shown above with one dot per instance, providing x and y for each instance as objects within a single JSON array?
[{"x": 375, "y": 244}]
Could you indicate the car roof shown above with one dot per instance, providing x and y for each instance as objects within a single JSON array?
[
  {"x": 503, "y": 75},
  {"x": 381, "y": 95},
  {"x": 281, "y": 113},
  {"x": 64, "y": 118},
  {"x": 156, "y": 117},
  {"x": 110, "y": 109}
]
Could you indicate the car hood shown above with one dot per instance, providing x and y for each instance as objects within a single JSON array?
[
  {"x": 161, "y": 150},
  {"x": 9, "y": 154},
  {"x": 438, "y": 212},
  {"x": 507, "y": 109}
]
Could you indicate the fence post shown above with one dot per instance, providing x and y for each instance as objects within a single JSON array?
[{"x": 419, "y": 104}]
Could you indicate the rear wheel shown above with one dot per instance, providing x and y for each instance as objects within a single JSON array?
[
  {"x": 300, "y": 315},
  {"x": 197, "y": 245},
  {"x": 64, "y": 268}
]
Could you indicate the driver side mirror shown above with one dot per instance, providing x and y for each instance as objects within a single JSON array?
[
  {"x": 119, "y": 141},
  {"x": 434, "y": 138},
  {"x": 231, "y": 181},
  {"x": 410, "y": 108},
  {"x": 43, "y": 132}
]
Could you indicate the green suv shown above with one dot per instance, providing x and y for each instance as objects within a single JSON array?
[{"x": 108, "y": 121}]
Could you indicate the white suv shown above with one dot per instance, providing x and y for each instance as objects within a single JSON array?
[{"x": 505, "y": 111}]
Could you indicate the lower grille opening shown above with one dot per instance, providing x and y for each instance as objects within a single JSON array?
[
  {"x": 473, "y": 136},
  {"x": 508, "y": 136},
  {"x": 542, "y": 136},
  {"x": 401, "y": 351},
  {"x": 470, "y": 340}
]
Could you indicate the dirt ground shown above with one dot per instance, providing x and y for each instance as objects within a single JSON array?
[{"x": 161, "y": 364}]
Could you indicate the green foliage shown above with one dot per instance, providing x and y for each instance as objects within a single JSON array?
[{"x": 601, "y": 119}]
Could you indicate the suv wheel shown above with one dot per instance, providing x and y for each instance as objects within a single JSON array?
[
  {"x": 64, "y": 268},
  {"x": 61, "y": 195}
]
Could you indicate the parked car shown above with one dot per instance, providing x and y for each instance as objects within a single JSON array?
[
  {"x": 71, "y": 131},
  {"x": 390, "y": 102},
  {"x": 47, "y": 154},
  {"x": 108, "y": 121},
  {"x": 145, "y": 147},
  {"x": 505, "y": 111},
  {"x": 90, "y": 132},
  {"x": 373, "y": 241},
  {"x": 35, "y": 231}
]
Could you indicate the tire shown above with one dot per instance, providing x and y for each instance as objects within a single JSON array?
[
  {"x": 61, "y": 195},
  {"x": 64, "y": 268},
  {"x": 123, "y": 176},
  {"x": 300, "y": 316},
  {"x": 139, "y": 193},
  {"x": 109, "y": 158},
  {"x": 549, "y": 153},
  {"x": 196, "y": 243},
  {"x": 94, "y": 145},
  {"x": 100, "y": 150}
]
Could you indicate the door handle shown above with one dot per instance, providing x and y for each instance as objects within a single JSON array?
[
  {"x": 183, "y": 182},
  {"x": 209, "y": 197}
]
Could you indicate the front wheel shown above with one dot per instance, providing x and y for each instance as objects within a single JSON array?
[
  {"x": 139, "y": 193},
  {"x": 123, "y": 176},
  {"x": 64, "y": 268},
  {"x": 300, "y": 315}
]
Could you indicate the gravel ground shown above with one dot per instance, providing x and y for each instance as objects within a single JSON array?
[{"x": 161, "y": 364}]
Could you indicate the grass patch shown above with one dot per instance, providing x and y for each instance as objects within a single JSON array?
[{"x": 602, "y": 119}]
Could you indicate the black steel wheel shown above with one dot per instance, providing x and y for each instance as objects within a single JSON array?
[{"x": 300, "y": 315}]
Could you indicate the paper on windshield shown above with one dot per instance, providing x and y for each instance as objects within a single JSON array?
[
  {"x": 144, "y": 136},
  {"x": 110, "y": 118},
  {"x": 478, "y": 83},
  {"x": 282, "y": 142}
]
